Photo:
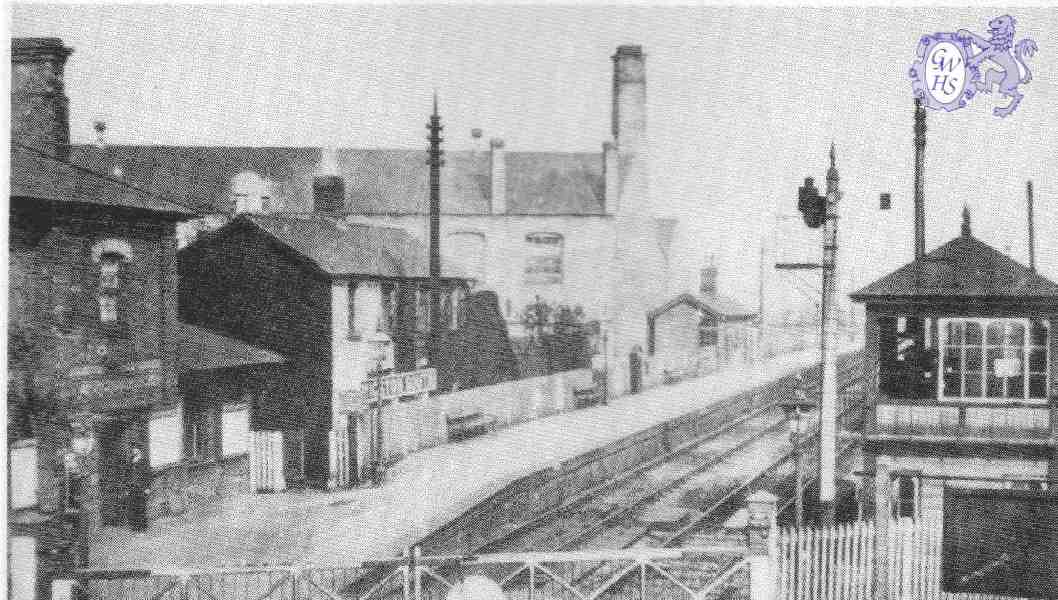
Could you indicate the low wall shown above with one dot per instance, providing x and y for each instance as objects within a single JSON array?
[
  {"x": 421, "y": 423},
  {"x": 546, "y": 490}
]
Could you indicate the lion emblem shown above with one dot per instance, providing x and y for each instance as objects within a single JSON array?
[{"x": 998, "y": 50}]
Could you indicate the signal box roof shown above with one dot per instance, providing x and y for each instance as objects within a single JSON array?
[{"x": 964, "y": 268}]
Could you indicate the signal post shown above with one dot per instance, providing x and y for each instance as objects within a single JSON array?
[{"x": 822, "y": 211}]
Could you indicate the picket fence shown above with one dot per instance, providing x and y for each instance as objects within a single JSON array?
[{"x": 837, "y": 563}]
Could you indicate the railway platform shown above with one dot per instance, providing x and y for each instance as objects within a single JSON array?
[{"x": 421, "y": 493}]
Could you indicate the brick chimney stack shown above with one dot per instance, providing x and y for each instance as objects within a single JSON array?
[
  {"x": 39, "y": 107},
  {"x": 629, "y": 126},
  {"x": 328, "y": 187}
]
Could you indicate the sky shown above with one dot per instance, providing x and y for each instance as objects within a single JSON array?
[{"x": 743, "y": 104}]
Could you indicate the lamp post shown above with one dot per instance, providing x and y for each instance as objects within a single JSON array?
[
  {"x": 378, "y": 468},
  {"x": 794, "y": 408}
]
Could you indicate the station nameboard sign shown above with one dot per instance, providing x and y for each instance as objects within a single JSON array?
[{"x": 403, "y": 384}]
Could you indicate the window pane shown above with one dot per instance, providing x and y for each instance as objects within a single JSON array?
[
  {"x": 1015, "y": 334},
  {"x": 108, "y": 309},
  {"x": 952, "y": 360},
  {"x": 973, "y": 334},
  {"x": 995, "y": 387},
  {"x": 973, "y": 359},
  {"x": 1016, "y": 387},
  {"x": 951, "y": 385},
  {"x": 1038, "y": 360},
  {"x": 995, "y": 332},
  {"x": 1038, "y": 333},
  {"x": 954, "y": 333},
  {"x": 973, "y": 386},
  {"x": 1037, "y": 386}
]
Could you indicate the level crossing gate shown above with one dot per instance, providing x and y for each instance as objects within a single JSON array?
[{"x": 703, "y": 573}]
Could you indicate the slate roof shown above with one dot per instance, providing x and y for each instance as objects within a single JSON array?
[
  {"x": 40, "y": 176},
  {"x": 203, "y": 349},
  {"x": 376, "y": 180},
  {"x": 338, "y": 248},
  {"x": 718, "y": 306},
  {"x": 965, "y": 267}
]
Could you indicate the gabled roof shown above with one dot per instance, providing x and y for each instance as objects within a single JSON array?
[
  {"x": 377, "y": 181},
  {"x": 37, "y": 175},
  {"x": 338, "y": 248},
  {"x": 719, "y": 307},
  {"x": 965, "y": 267},
  {"x": 203, "y": 349}
]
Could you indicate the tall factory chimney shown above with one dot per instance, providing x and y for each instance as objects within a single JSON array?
[
  {"x": 40, "y": 110},
  {"x": 435, "y": 163},
  {"x": 629, "y": 127},
  {"x": 920, "y": 166}
]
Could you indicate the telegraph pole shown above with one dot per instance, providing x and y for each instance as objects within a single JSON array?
[{"x": 435, "y": 163}]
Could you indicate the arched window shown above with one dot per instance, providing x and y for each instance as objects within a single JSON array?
[
  {"x": 112, "y": 257},
  {"x": 543, "y": 262}
]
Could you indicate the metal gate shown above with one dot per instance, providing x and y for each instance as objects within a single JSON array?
[{"x": 709, "y": 573}]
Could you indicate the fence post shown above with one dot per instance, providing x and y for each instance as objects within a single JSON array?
[
  {"x": 881, "y": 530},
  {"x": 63, "y": 589},
  {"x": 760, "y": 530}
]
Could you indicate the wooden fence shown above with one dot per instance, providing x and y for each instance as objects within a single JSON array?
[{"x": 837, "y": 563}]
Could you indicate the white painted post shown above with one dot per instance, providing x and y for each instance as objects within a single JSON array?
[
  {"x": 61, "y": 589},
  {"x": 762, "y": 551}
]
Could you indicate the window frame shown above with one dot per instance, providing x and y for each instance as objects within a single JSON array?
[
  {"x": 544, "y": 264},
  {"x": 1026, "y": 348}
]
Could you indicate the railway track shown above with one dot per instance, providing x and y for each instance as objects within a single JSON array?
[{"x": 680, "y": 498}]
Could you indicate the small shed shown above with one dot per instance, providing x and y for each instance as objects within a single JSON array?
[{"x": 689, "y": 335}]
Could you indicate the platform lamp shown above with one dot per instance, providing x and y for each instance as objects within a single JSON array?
[{"x": 795, "y": 408}]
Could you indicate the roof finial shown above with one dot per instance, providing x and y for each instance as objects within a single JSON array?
[
  {"x": 435, "y": 102},
  {"x": 966, "y": 221},
  {"x": 832, "y": 172}
]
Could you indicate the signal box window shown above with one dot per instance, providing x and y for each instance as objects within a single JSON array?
[
  {"x": 907, "y": 357},
  {"x": 995, "y": 358}
]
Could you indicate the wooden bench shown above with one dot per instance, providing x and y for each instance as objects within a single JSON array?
[
  {"x": 462, "y": 426},
  {"x": 588, "y": 396}
]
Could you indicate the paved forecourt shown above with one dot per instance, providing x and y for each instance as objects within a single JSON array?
[{"x": 422, "y": 492}]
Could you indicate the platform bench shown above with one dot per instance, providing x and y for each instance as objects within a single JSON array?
[
  {"x": 589, "y": 396},
  {"x": 466, "y": 425}
]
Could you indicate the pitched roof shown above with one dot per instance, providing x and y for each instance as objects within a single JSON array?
[
  {"x": 340, "y": 248},
  {"x": 964, "y": 267},
  {"x": 376, "y": 180},
  {"x": 203, "y": 349},
  {"x": 40, "y": 176},
  {"x": 718, "y": 306}
]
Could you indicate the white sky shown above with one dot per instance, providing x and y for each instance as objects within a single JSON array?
[{"x": 743, "y": 104}]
